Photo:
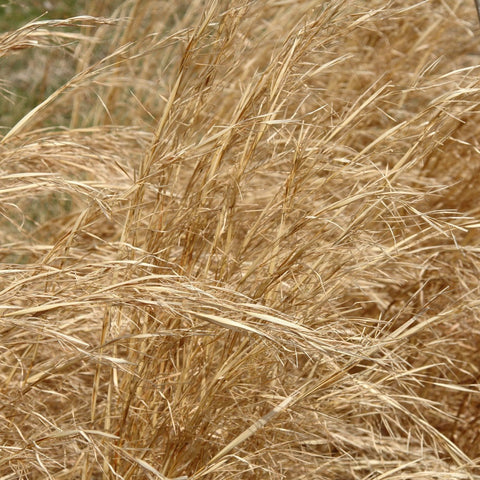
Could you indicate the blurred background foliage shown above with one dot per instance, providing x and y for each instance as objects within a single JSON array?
[{"x": 28, "y": 76}]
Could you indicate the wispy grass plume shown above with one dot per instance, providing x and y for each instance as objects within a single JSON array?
[{"x": 242, "y": 240}]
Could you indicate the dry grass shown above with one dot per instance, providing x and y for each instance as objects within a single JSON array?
[{"x": 243, "y": 241}]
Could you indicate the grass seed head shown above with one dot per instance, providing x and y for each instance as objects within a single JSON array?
[{"x": 240, "y": 240}]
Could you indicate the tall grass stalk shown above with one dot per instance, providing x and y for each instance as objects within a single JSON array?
[{"x": 242, "y": 241}]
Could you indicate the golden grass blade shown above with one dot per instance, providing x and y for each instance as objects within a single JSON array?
[{"x": 240, "y": 240}]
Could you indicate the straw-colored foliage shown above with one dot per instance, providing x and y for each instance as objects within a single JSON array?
[{"x": 241, "y": 240}]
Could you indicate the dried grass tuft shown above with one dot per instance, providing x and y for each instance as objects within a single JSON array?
[{"x": 242, "y": 240}]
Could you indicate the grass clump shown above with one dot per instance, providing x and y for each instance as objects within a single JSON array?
[{"x": 241, "y": 240}]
